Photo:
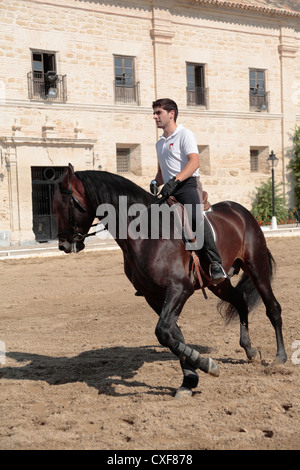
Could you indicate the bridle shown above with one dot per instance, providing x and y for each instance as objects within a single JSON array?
[{"x": 75, "y": 235}]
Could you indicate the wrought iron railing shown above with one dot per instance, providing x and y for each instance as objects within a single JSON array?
[
  {"x": 48, "y": 86},
  {"x": 259, "y": 101},
  {"x": 127, "y": 94},
  {"x": 198, "y": 96}
]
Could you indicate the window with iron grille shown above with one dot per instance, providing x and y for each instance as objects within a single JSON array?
[
  {"x": 258, "y": 159},
  {"x": 44, "y": 83},
  {"x": 123, "y": 160},
  {"x": 259, "y": 98},
  {"x": 254, "y": 165},
  {"x": 197, "y": 94},
  {"x": 126, "y": 88}
]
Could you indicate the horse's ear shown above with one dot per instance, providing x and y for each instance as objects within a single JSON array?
[{"x": 68, "y": 177}]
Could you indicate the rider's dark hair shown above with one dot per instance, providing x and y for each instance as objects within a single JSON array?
[{"x": 167, "y": 104}]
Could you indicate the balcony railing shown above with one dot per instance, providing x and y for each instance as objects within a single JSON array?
[
  {"x": 47, "y": 86},
  {"x": 259, "y": 101},
  {"x": 127, "y": 94},
  {"x": 197, "y": 97}
]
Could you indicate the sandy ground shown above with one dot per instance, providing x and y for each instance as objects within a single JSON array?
[{"x": 84, "y": 369}]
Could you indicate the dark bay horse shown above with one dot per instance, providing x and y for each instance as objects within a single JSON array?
[{"x": 160, "y": 269}]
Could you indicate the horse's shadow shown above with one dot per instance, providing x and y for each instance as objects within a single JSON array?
[{"x": 103, "y": 369}]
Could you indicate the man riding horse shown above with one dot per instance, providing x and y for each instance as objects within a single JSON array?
[{"x": 178, "y": 162}]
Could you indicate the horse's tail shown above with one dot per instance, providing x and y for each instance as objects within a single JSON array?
[{"x": 251, "y": 295}]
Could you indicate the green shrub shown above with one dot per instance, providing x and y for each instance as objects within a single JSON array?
[
  {"x": 294, "y": 165},
  {"x": 262, "y": 207}
]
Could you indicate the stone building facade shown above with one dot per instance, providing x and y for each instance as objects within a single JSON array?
[{"x": 78, "y": 77}]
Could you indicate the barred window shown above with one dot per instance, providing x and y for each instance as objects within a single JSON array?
[
  {"x": 254, "y": 166},
  {"x": 123, "y": 160}
]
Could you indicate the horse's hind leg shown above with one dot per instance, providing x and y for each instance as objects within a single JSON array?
[
  {"x": 273, "y": 311},
  {"x": 274, "y": 314},
  {"x": 226, "y": 292},
  {"x": 261, "y": 278}
]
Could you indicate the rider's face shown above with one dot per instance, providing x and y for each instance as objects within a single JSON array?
[{"x": 162, "y": 117}]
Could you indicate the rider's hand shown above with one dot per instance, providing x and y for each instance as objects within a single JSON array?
[
  {"x": 154, "y": 187},
  {"x": 170, "y": 187}
]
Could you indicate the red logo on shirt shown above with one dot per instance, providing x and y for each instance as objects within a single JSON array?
[{"x": 171, "y": 146}]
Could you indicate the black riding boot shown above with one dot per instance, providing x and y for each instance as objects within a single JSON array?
[{"x": 210, "y": 250}]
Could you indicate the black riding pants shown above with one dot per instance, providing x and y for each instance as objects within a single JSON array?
[{"x": 187, "y": 192}]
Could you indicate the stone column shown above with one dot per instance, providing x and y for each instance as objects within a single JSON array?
[
  {"x": 13, "y": 193},
  {"x": 287, "y": 50},
  {"x": 162, "y": 34}
]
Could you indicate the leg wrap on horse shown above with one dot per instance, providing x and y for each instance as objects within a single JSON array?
[
  {"x": 190, "y": 376},
  {"x": 193, "y": 358}
]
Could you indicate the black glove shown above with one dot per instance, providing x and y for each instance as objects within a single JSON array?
[
  {"x": 170, "y": 187},
  {"x": 154, "y": 187}
]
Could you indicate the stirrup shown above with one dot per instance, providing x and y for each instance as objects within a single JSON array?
[{"x": 218, "y": 279}]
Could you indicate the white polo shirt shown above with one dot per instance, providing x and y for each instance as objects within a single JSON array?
[{"x": 172, "y": 152}]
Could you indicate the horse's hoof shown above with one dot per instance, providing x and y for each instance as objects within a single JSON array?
[
  {"x": 279, "y": 361},
  {"x": 256, "y": 357},
  {"x": 213, "y": 368},
  {"x": 183, "y": 392}
]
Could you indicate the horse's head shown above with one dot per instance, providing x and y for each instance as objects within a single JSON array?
[{"x": 73, "y": 212}]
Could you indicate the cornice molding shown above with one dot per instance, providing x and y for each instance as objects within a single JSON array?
[
  {"x": 245, "y": 6},
  {"x": 54, "y": 141},
  {"x": 103, "y": 108},
  {"x": 145, "y": 110}
]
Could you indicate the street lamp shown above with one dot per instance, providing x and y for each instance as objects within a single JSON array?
[{"x": 273, "y": 162}]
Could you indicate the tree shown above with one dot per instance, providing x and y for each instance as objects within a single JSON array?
[
  {"x": 262, "y": 206},
  {"x": 294, "y": 165}
]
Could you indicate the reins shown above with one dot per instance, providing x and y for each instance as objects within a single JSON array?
[{"x": 76, "y": 235}]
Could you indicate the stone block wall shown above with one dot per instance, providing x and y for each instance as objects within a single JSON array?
[{"x": 161, "y": 37}]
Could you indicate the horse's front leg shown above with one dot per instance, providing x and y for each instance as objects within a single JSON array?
[
  {"x": 167, "y": 332},
  {"x": 190, "y": 376}
]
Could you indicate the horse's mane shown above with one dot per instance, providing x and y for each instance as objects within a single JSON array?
[{"x": 103, "y": 186}]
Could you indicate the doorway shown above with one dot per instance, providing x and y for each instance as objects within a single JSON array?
[{"x": 43, "y": 180}]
